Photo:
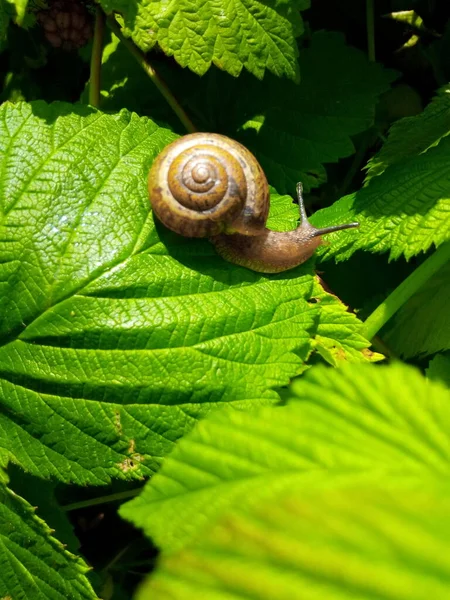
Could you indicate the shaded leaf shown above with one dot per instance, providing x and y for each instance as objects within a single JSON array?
[
  {"x": 422, "y": 325},
  {"x": 413, "y": 136},
  {"x": 4, "y": 21},
  {"x": 438, "y": 54},
  {"x": 439, "y": 369},
  {"x": 124, "y": 84},
  {"x": 35, "y": 564},
  {"x": 40, "y": 493},
  {"x": 292, "y": 129},
  {"x": 10, "y": 9}
]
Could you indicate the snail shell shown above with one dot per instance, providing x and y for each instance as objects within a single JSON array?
[{"x": 205, "y": 184}]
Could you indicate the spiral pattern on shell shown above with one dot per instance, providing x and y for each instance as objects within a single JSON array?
[{"x": 204, "y": 184}]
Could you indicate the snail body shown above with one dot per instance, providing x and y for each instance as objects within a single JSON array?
[
  {"x": 208, "y": 185},
  {"x": 270, "y": 252}
]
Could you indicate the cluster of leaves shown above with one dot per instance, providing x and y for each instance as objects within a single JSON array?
[{"x": 271, "y": 450}]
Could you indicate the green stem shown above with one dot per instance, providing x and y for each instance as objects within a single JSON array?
[
  {"x": 115, "y": 559},
  {"x": 102, "y": 499},
  {"x": 370, "y": 21},
  {"x": 405, "y": 290},
  {"x": 150, "y": 71},
  {"x": 96, "y": 58}
]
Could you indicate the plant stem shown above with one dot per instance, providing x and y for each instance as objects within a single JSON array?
[
  {"x": 405, "y": 290},
  {"x": 115, "y": 558},
  {"x": 370, "y": 21},
  {"x": 102, "y": 499},
  {"x": 96, "y": 58},
  {"x": 150, "y": 71}
]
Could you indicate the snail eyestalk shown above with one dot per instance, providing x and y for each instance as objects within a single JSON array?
[{"x": 305, "y": 222}]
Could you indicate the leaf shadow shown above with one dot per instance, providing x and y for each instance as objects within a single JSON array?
[
  {"x": 50, "y": 113},
  {"x": 199, "y": 255}
]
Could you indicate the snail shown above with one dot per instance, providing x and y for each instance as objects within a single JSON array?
[{"x": 208, "y": 185}]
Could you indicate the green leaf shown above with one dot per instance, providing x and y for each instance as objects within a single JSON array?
[
  {"x": 116, "y": 335},
  {"x": 35, "y": 564},
  {"x": 422, "y": 325},
  {"x": 4, "y": 21},
  {"x": 124, "y": 84},
  {"x": 403, "y": 211},
  {"x": 20, "y": 7},
  {"x": 284, "y": 214},
  {"x": 404, "y": 207},
  {"x": 439, "y": 369},
  {"x": 14, "y": 10},
  {"x": 356, "y": 543},
  {"x": 11, "y": 9},
  {"x": 413, "y": 136},
  {"x": 338, "y": 335},
  {"x": 342, "y": 426},
  {"x": 337, "y": 332},
  {"x": 326, "y": 100},
  {"x": 40, "y": 493},
  {"x": 231, "y": 35},
  {"x": 294, "y": 129},
  {"x": 437, "y": 54}
]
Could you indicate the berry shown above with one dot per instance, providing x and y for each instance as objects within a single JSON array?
[{"x": 67, "y": 24}]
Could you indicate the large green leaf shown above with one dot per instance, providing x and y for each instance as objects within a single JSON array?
[
  {"x": 403, "y": 211},
  {"x": 33, "y": 563},
  {"x": 117, "y": 335},
  {"x": 231, "y": 35},
  {"x": 356, "y": 543},
  {"x": 351, "y": 424}
]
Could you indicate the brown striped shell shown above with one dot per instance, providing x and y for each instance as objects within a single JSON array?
[{"x": 204, "y": 184}]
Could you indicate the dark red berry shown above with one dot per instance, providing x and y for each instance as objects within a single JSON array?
[{"x": 67, "y": 24}]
